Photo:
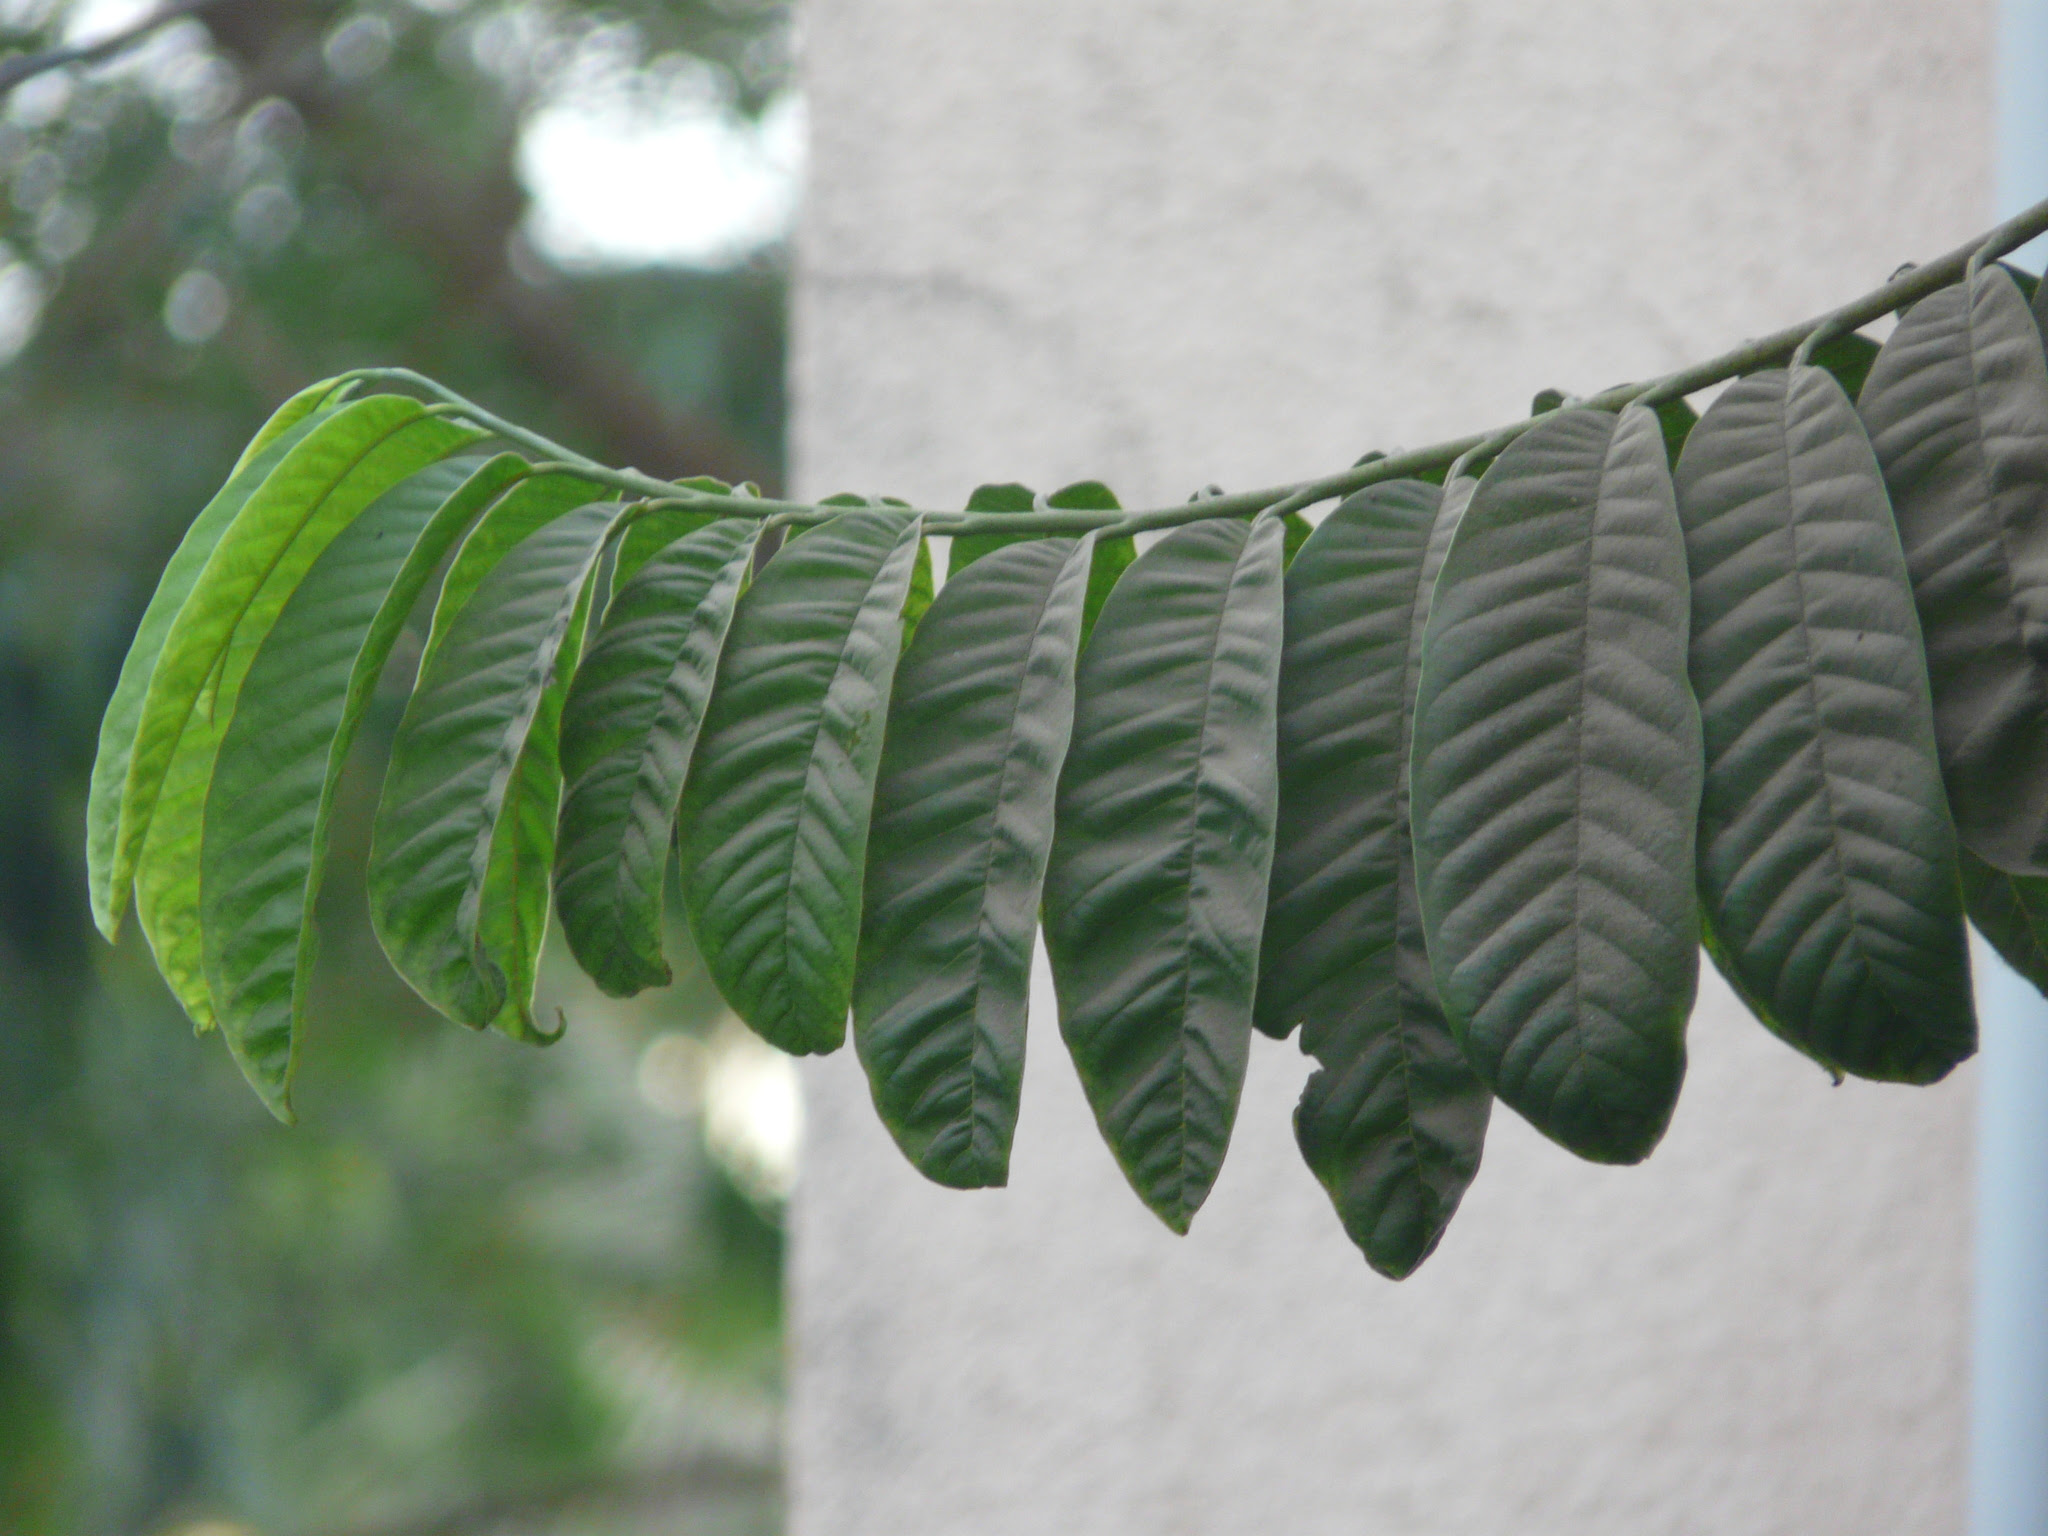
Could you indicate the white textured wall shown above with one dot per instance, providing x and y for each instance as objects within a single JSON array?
[{"x": 1213, "y": 240}]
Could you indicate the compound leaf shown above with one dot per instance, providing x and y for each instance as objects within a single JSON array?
[
  {"x": 1827, "y": 859},
  {"x": 1556, "y": 783},
  {"x": 1957, "y": 408},
  {"x": 463, "y": 837},
  {"x": 1155, "y": 892},
  {"x": 628, "y": 730},
  {"x": 774, "y": 819},
  {"x": 978, "y": 729},
  {"x": 264, "y": 844},
  {"x": 1394, "y": 1121}
]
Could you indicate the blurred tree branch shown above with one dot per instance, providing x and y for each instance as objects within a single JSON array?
[
  {"x": 679, "y": 1488},
  {"x": 28, "y": 65},
  {"x": 464, "y": 233},
  {"x": 461, "y": 231}
]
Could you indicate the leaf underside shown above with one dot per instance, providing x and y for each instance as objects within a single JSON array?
[
  {"x": 264, "y": 844},
  {"x": 316, "y": 491},
  {"x": 1155, "y": 892},
  {"x": 1556, "y": 783},
  {"x": 1457, "y": 781},
  {"x": 1394, "y": 1121},
  {"x": 1827, "y": 859},
  {"x": 1957, "y": 408},
  {"x": 464, "y": 835},
  {"x": 286, "y": 428},
  {"x": 978, "y": 728},
  {"x": 774, "y": 818},
  {"x": 264, "y": 544}
]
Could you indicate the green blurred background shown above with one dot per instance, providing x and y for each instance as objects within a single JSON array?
[{"x": 480, "y": 1287}]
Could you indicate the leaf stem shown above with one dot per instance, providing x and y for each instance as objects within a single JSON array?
[{"x": 1906, "y": 287}]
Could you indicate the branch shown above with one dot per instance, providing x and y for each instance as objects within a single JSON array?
[
  {"x": 28, "y": 65},
  {"x": 1908, "y": 287},
  {"x": 695, "y": 1481}
]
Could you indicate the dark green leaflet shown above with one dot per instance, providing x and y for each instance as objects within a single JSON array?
[
  {"x": 264, "y": 844},
  {"x": 1848, "y": 357},
  {"x": 464, "y": 834},
  {"x": 1827, "y": 859},
  {"x": 655, "y": 529},
  {"x": 1957, "y": 408},
  {"x": 919, "y": 598},
  {"x": 1556, "y": 783},
  {"x": 350, "y": 457},
  {"x": 922, "y": 581},
  {"x": 1155, "y": 893},
  {"x": 978, "y": 728},
  {"x": 512, "y": 916},
  {"x": 1298, "y": 530},
  {"x": 969, "y": 548},
  {"x": 1112, "y": 556},
  {"x": 292, "y": 422},
  {"x": 527, "y": 507},
  {"x": 1341, "y": 728},
  {"x": 513, "y": 902},
  {"x": 774, "y": 819},
  {"x": 1394, "y": 1121},
  {"x": 1675, "y": 419},
  {"x": 628, "y": 730},
  {"x": 2011, "y": 911}
]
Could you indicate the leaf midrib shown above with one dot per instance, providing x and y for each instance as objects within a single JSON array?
[
  {"x": 1187, "y": 891},
  {"x": 1809, "y": 690},
  {"x": 641, "y": 791},
  {"x": 977, "y": 1035},
  {"x": 806, "y": 800}
]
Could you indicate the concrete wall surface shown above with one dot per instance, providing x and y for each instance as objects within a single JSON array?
[{"x": 1174, "y": 243}]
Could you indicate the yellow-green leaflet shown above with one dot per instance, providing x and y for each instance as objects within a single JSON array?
[
  {"x": 264, "y": 843},
  {"x": 349, "y": 459},
  {"x": 292, "y": 421}
]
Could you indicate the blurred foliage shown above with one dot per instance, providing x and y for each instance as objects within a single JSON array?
[{"x": 479, "y": 1287}]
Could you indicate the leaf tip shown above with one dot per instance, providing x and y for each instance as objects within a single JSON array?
[
  {"x": 967, "y": 1173},
  {"x": 108, "y": 916}
]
